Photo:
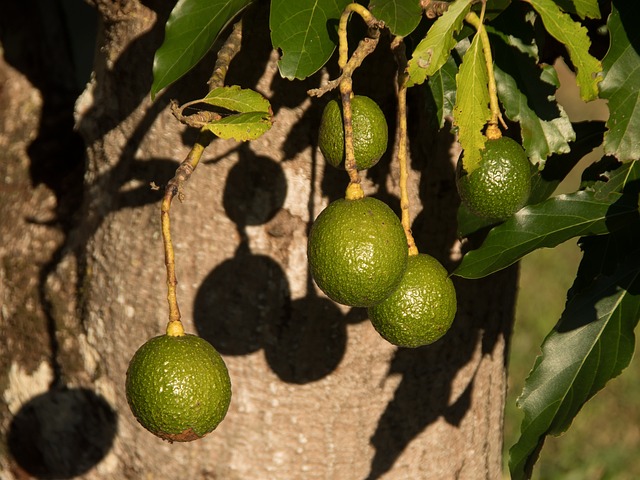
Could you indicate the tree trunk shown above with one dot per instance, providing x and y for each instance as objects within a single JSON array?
[{"x": 317, "y": 394}]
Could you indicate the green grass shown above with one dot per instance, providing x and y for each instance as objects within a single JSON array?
[{"x": 604, "y": 439}]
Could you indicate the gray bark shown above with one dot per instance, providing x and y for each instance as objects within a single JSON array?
[{"x": 317, "y": 394}]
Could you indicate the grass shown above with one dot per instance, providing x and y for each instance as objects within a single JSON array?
[{"x": 604, "y": 439}]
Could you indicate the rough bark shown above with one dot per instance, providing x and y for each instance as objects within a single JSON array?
[{"x": 317, "y": 394}]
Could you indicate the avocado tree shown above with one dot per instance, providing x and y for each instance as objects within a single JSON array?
[{"x": 218, "y": 103}]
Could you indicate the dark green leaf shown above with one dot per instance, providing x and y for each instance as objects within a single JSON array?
[
  {"x": 588, "y": 136},
  {"x": 432, "y": 52},
  {"x": 593, "y": 342},
  {"x": 492, "y": 8},
  {"x": 620, "y": 84},
  {"x": 527, "y": 93},
  {"x": 548, "y": 224},
  {"x": 469, "y": 223},
  {"x": 582, "y": 8},
  {"x": 400, "y": 16},
  {"x": 192, "y": 28},
  {"x": 306, "y": 33},
  {"x": 442, "y": 86}
]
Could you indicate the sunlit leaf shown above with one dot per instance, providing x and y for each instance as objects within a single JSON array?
[
  {"x": 192, "y": 28},
  {"x": 471, "y": 111},
  {"x": 237, "y": 99},
  {"x": 241, "y": 126},
  {"x": 582, "y": 8},
  {"x": 574, "y": 36},
  {"x": 432, "y": 52},
  {"x": 547, "y": 224}
]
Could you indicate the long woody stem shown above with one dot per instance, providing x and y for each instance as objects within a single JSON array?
[
  {"x": 174, "y": 187},
  {"x": 354, "y": 189},
  {"x": 183, "y": 173}
]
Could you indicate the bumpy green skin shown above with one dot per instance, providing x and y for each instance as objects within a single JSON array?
[
  {"x": 357, "y": 251},
  {"x": 178, "y": 387},
  {"x": 422, "y": 308},
  {"x": 500, "y": 185},
  {"x": 370, "y": 133}
]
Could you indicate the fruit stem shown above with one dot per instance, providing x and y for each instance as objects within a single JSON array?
[
  {"x": 354, "y": 192},
  {"x": 346, "y": 87},
  {"x": 347, "y": 119},
  {"x": 174, "y": 187},
  {"x": 398, "y": 47},
  {"x": 493, "y": 130}
]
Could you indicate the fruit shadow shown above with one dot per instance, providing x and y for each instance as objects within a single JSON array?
[
  {"x": 62, "y": 433},
  {"x": 245, "y": 305}
]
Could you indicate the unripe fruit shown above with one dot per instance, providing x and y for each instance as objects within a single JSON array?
[
  {"x": 357, "y": 251},
  {"x": 370, "y": 133},
  {"x": 500, "y": 185}
]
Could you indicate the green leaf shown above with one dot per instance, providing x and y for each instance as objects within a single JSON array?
[
  {"x": 527, "y": 93},
  {"x": 492, "y": 9},
  {"x": 241, "y": 126},
  {"x": 582, "y": 8},
  {"x": 191, "y": 30},
  {"x": 588, "y": 136},
  {"x": 237, "y": 99},
  {"x": 442, "y": 86},
  {"x": 471, "y": 111},
  {"x": 400, "y": 16},
  {"x": 574, "y": 36},
  {"x": 620, "y": 86},
  {"x": 548, "y": 224},
  {"x": 624, "y": 178},
  {"x": 432, "y": 52},
  {"x": 306, "y": 33},
  {"x": 593, "y": 342}
]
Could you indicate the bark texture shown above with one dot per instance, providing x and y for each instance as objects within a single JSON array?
[{"x": 317, "y": 394}]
